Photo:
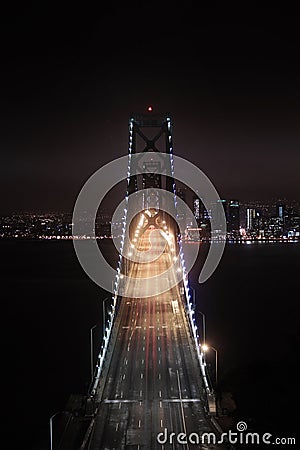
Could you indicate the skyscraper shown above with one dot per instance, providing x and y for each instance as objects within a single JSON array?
[
  {"x": 196, "y": 207},
  {"x": 234, "y": 216},
  {"x": 280, "y": 211},
  {"x": 250, "y": 218},
  {"x": 224, "y": 204}
]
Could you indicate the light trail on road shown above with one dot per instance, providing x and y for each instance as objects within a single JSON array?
[{"x": 153, "y": 381}]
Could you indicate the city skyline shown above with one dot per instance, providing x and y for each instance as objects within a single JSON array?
[{"x": 255, "y": 220}]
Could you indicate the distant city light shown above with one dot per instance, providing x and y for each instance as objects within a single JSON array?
[
  {"x": 150, "y": 108},
  {"x": 252, "y": 222}
]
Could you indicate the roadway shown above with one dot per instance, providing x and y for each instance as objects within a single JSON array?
[{"x": 153, "y": 382}]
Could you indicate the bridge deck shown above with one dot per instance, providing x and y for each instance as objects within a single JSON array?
[{"x": 153, "y": 383}]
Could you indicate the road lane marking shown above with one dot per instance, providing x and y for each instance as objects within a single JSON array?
[
  {"x": 183, "y": 400},
  {"x": 119, "y": 401},
  {"x": 181, "y": 405}
]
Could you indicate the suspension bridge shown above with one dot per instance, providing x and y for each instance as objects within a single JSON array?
[{"x": 150, "y": 387}]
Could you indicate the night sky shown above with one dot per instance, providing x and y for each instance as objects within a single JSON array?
[{"x": 70, "y": 79}]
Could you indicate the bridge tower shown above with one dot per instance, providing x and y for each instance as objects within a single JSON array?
[{"x": 150, "y": 133}]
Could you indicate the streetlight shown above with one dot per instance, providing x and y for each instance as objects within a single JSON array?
[
  {"x": 92, "y": 337},
  {"x": 203, "y": 327},
  {"x": 103, "y": 314},
  {"x": 51, "y": 428},
  {"x": 194, "y": 298},
  {"x": 92, "y": 350},
  {"x": 203, "y": 317},
  {"x": 206, "y": 348}
]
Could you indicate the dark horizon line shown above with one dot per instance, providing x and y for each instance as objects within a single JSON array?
[{"x": 270, "y": 202}]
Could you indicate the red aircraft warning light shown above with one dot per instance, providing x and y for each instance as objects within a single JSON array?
[{"x": 149, "y": 108}]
